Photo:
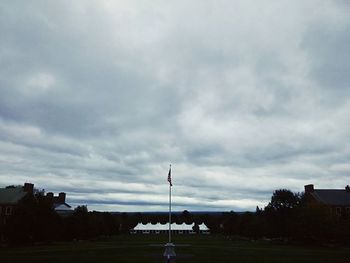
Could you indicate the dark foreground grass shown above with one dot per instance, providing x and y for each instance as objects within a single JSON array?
[{"x": 149, "y": 248}]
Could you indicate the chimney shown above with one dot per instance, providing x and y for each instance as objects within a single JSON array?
[
  {"x": 28, "y": 187},
  {"x": 347, "y": 189},
  {"x": 49, "y": 195},
  {"x": 309, "y": 188},
  {"x": 62, "y": 197}
]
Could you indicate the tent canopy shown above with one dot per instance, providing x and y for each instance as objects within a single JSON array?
[{"x": 158, "y": 226}]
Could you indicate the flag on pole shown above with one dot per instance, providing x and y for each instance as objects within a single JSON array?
[{"x": 169, "y": 177}]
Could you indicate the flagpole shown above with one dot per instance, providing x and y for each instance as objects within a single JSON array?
[
  {"x": 169, "y": 247},
  {"x": 170, "y": 210}
]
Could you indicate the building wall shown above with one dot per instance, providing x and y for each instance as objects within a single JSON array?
[
  {"x": 6, "y": 211},
  {"x": 334, "y": 210}
]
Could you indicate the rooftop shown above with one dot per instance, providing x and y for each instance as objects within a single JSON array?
[
  {"x": 332, "y": 196},
  {"x": 11, "y": 195}
]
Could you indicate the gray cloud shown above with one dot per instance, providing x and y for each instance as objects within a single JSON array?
[{"x": 97, "y": 98}]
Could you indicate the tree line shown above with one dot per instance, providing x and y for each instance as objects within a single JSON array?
[
  {"x": 289, "y": 217},
  {"x": 286, "y": 217},
  {"x": 35, "y": 220}
]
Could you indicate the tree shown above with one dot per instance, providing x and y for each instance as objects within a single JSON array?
[
  {"x": 195, "y": 228},
  {"x": 284, "y": 199},
  {"x": 34, "y": 219},
  {"x": 314, "y": 224},
  {"x": 79, "y": 222},
  {"x": 230, "y": 223},
  {"x": 186, "y": 217},
  {"x": 280, "y": 212}
]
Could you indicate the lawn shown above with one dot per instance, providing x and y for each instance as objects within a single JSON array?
[{"x": 149, "y": 248}]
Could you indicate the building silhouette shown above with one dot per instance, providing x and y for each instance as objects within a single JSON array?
[{"x": 338, "y": 200}]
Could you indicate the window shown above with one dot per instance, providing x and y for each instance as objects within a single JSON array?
[
  {"x": 8, "y": 210},
  {"x": 338, "y": 211},
  {"x": 348, "y": 210},
  {"x": 0, "y": 210}
]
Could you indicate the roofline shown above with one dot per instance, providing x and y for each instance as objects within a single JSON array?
[{"x": 329, "y": 189}]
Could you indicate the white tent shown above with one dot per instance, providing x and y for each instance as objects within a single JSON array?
[
  {"x": 165, "y": 227},
  {"x": 203, "y": 227},
  {"x": 149, "y": 227},
  {"x": 181, "y": 227},
  {"x": 161, "y": 228}
]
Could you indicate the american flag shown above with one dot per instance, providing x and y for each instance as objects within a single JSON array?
[{"x": 169, "y": 177}]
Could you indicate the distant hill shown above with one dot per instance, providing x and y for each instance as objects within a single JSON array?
[{"x": 211, "y": 213}]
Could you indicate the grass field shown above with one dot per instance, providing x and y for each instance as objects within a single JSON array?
[{"x": 188, "y": 248}]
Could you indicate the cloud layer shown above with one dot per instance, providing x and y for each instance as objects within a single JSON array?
[{"x": 242, "y": 97}]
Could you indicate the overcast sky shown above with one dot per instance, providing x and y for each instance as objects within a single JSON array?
[{"x": 97, "y": 98}]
